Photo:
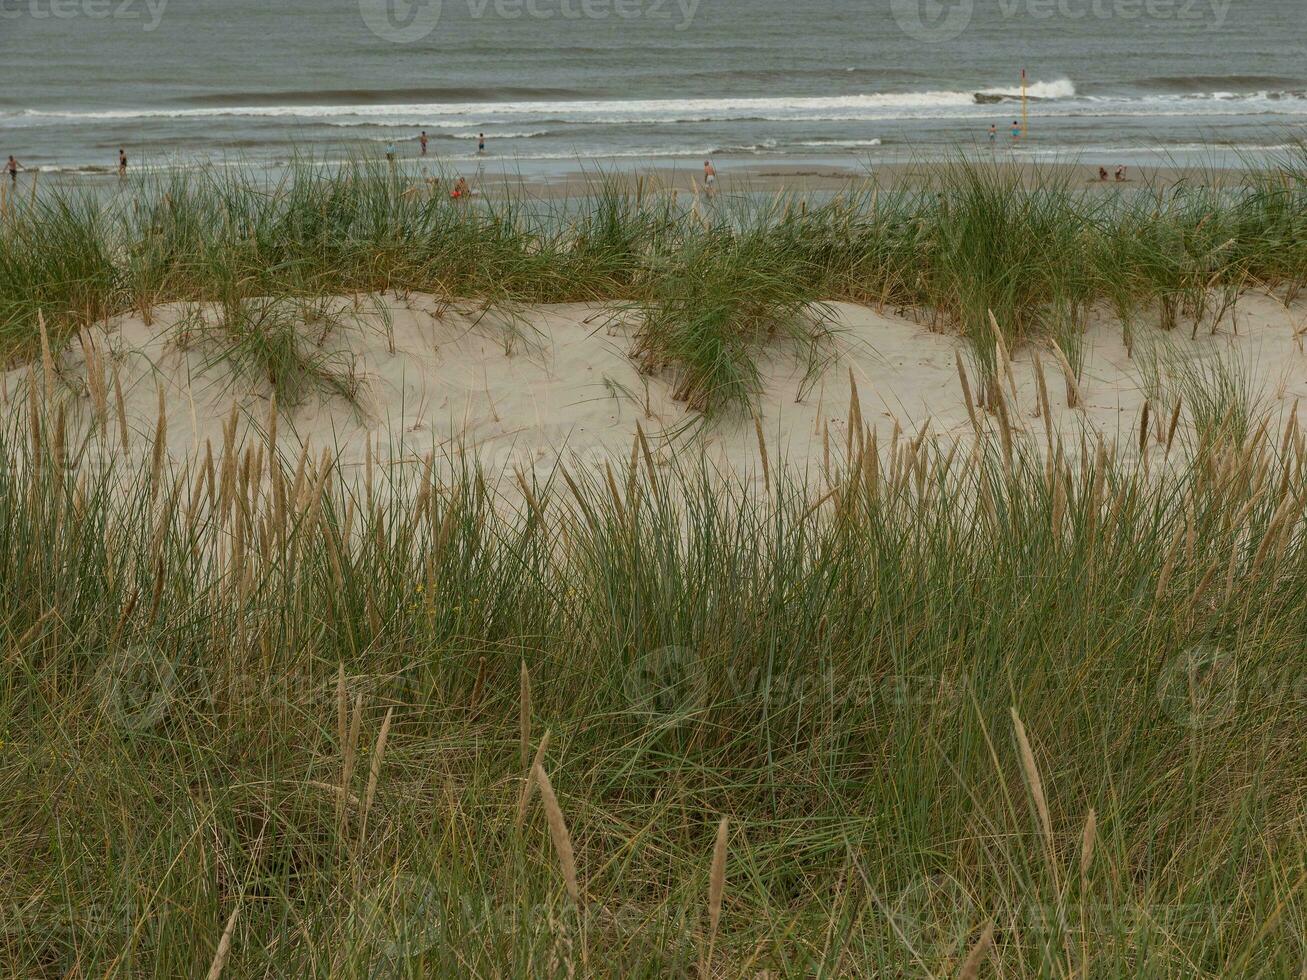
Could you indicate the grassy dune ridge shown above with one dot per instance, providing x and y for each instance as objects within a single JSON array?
[
  {"x": 713, "y": 279},
  {"x": 1013, "y": 702},
  {"x": 1039, "y": 710}
]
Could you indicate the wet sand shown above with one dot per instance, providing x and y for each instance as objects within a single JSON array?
[{"x": 819, "y": 179}]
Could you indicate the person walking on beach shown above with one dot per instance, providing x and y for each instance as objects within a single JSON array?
[
  {"x": 122, "y": 162},
  {"x": 993, "y": 133},
  {"x": 1016, "y": 130},
  {"x": 390, "y": 153},
  {"x": 481, "y": 143},
  {"x": 422, "y": 142},
  {"x": 709, "y": 179},
  {"x": 12, "y": 167}
]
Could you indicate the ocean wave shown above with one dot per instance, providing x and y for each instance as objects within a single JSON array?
[
  {"x": 77, "y": 170},
  {"x": 1062, "y": 88},
  {"x": 670, "y": 110},
  {"x": 285, "y": 98},
  {"x": 1268, "y": 95},
  {"x": 836, "y": 143},
  {"x": 489, "y": 135},
  {"x": 766, "y": 146},
  {"x": 1219, "y": 83},
  {"x": 529, "y": 119}
]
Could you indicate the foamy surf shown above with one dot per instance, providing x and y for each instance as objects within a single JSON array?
[
  {"x": 1056, "y": 98},
  {"x": 630, "y": 110}
]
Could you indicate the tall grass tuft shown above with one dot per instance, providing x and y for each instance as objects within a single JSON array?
[
  {"x": 187, "y": 677},
  {"x": 710, "y": 285}
]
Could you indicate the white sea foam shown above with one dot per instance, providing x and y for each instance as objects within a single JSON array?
[
  {"x": 606, "y": 110},
  {"x": 1057, "y": 98}
]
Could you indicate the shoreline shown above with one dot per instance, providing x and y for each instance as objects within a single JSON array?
[
  {"x": 736, "y": 178},
  {"x": 804, "y": 178},
  {"x": 891, "y": 167}
]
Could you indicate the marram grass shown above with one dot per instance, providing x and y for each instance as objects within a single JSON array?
[
  {"x": 973, "y": 710},
  {"x": 711, "y": 280}
]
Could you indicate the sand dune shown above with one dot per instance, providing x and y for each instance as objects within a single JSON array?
[{"x": 520, "y": 390}]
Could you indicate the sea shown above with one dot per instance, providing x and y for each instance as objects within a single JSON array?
[{"x": 554, "y": 86}]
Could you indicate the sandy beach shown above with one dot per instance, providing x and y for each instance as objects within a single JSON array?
[
  {"x": 820, "y": 179},
  {"x": 527, "y": 388}
]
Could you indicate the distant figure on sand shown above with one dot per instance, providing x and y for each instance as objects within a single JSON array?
[
  {"x": 461, "y": 191},
  {"x": 390, "y": 152},
  {"x": 709, "y": 178},
  {"x": 481, "y": 142},
  {"x": 122, "y": 162},
  {"x": 1120, "y": 172},
  {"x": 993, "y": 133},
  {"x": 1016, "y": 130},
  {"x": 422, "y": 142},
  {"x": 12, "y": 167},
  {"x": 1102, "y": 173}
]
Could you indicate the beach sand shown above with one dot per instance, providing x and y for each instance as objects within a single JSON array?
[
  {"x": 817, "y": 177},
  {"x": 556, "y": 382}
]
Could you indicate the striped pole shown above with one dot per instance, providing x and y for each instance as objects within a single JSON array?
[{"x": 1025, "y": 115}]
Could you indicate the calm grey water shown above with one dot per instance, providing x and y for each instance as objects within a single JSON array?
[{"x": 555, "y": 82}]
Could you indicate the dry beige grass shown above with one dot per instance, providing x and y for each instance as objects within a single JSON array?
[{"x": 558, "y": 833}]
